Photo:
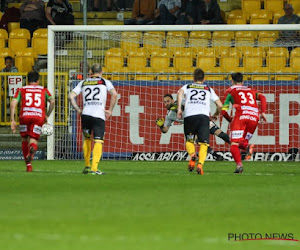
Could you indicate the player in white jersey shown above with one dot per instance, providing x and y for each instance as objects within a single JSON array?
[
  {"x": 171, "y": 117},
  {"x": 94, "y": 93},
  {"x": 196, "y": 116}
]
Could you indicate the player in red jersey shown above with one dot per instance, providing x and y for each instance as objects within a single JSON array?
[
  {"x": 246, "y": 118},
  {"x": 33, "y": 98}
]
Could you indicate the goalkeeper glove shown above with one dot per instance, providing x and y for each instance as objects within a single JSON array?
[{"x": 160, "y": 122}]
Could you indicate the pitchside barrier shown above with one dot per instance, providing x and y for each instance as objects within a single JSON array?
[{"x": 10, "y": 82}]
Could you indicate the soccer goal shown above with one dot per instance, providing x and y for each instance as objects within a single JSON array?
[{"x": 146, "y": 62}]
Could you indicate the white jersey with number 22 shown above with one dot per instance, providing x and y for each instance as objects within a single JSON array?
[{"x": 94, "y": 93}]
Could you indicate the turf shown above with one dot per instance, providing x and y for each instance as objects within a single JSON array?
[{"x": 147, "y": 205}]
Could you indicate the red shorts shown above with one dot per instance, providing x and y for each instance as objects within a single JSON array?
[
  {"x": 243, "y": 127},
  {"x": 31, "y": 127}
]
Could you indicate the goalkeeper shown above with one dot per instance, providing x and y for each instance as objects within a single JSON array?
[{"x": 165, "y": 124}]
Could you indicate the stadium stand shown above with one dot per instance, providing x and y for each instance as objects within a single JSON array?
[
  {"x": 236, "y": 17},
  {"x": 3, "y": 38},
  {"x": 273, "y": 5},
  {"x": 131, "y": 40},
  {"x": 277, "y": 59},
  {"x": 39, "y": 41},
  {"x": 19, "y": 39},
  {"x": 4, "y": 52},
  {"x": 296, "y": 5},
  {"x": 161, "y": 60},
  {"x": 114, "y": 60},
  {"x": 199, "y": 38},
  {"x": 206, "y": 59},
  {"x": 25, "y": 59},
  {"x": 261, "y": 17},
  {"x": 183, "y": 60},
  {"x": 137, "y": 60}
]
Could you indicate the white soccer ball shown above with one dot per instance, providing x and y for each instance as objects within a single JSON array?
[{"x": 47, "y": 129}]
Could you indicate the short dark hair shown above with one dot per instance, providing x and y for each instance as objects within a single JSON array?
[
  {"x": 33, "y": 76},
  {"x": 237, "y": 77},
  {"x": 8, "y": 57},
  {"x": 96, "y": 68},
  {"x": 168, "y": 95},
  {"x": 198, "y": 75}
]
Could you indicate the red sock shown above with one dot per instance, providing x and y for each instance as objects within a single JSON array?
[
  {"x": 243, "y": 144},
  {"x": 25, "y": 149},
  {"x": 34, "y": 146},
  {"x": 236, "y": 154}
]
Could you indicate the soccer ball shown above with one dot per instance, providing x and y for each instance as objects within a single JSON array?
[{"x": 47, "y": 129}]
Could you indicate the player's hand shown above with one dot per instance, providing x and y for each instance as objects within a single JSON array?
[
  {"x": 179, "y": 114},
  {"x": 160, "y": 122},
  {"x": 263, "y": 118},
  {"x": 107, "y": 114},
  {"x": 213, "y": 118},
  {"x": 13, "y": 126}
]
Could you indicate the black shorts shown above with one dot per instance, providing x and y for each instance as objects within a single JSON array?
[
  {"x": 213, "y": 127},
  {"x": 197, "y": 125},
  {"x": 92, "y": 124}
]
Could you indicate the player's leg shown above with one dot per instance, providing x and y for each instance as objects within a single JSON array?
[
  {"x": 249, "y": 131},
  {"x": 98, "y": 131},
  {"x": 203, "y": 137},
  {"x": 87, "y": 143},
  {"x": 25, "y": 138},
  {"x": 34, "y": 128},
  {"x": 237, "y": 131},
  {"x": 215, "y": 130},
  {"x": 189, "y": 144}
]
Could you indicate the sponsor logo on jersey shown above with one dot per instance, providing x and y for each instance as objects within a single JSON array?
[
  {"x": 32, "y": 114},
  {"x": 93, "y": 81},
  {"x": 196, "y": 86}
]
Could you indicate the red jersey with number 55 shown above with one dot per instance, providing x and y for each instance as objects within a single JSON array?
[
  {"x": 33, "y": 100},
  {"x": 243, "y": 100}
]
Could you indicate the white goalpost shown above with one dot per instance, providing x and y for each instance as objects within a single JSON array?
[{"x": 146, "y": 62}]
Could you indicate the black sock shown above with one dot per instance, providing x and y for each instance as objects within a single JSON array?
[{"x": 224, "y": 137}]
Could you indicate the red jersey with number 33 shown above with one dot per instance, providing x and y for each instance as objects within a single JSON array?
[
  {"x": 33, "y": 100},
  {"x": 243, "y": 99}
]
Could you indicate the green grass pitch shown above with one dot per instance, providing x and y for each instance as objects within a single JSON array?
[{"x": 147, "y": 205}]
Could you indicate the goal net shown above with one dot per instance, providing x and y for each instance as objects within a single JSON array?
[{"x": 146, "y": 62}]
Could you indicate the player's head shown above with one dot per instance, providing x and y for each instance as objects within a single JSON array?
[
  {"x": 168, "y": 101},
  {"x": 288, "y": 9},
  {"x": 96, "y": 69},
  {"x": 237, "y": 78},
  {"x": 33, "y": 77},
  {"x": 9, "y": 62},
  {"x": 199, "y": 75}
]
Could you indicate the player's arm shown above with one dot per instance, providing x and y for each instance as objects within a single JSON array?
[
  {"x": 113, "y": 100},
  {"x": 73, "y": 102},
  {"x": 51, "y": 107},
  {"x": 263, "y": 103},
  {"x": 218, "y": 109},
  {"x": 13, "y": 105},
  {"x": 225, "y": 107},
  {"x": 179, "y": 103}
]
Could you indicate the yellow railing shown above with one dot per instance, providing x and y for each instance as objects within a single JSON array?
[{"x": 8, "y": 88}]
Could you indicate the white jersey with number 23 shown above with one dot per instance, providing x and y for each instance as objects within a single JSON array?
[{"x": 197, "y": 99}]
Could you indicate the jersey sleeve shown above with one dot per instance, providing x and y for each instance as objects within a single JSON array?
[
  {"x": 109, "y": 85},
  {"x": 18, "y": 95},
  {"x": 213, "y": 95},
  {"x": 77, "y": 89},
  {"x": 48, "y": 95},
  {"x": 168, "y": 120},
  {"x": 227, "y": 102}
]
